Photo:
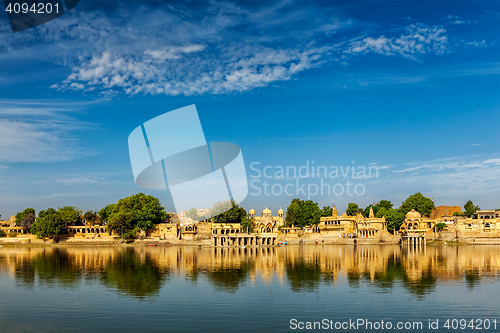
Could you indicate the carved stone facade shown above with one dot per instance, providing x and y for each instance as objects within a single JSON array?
[{"x": 267, "y": 223}]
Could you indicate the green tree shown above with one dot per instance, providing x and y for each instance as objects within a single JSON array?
[
  {"x": 235, "y": 214},
  {"x": 366, "y": 211},
  {"x": 2, "y": 233},
  {"x": 90, "y": 217},
  {"x": 394, "y": 219},
  {"x": 419, "y": 202},
  {"x": 70, "y": 215},
  {"x": 46, "y": 212},
  {"x": 28, "y": 221},
  {"x": 145, "y": 209},
  {"x": 470, "y": 208},
  {"x": 247, "y": 223},
  {"x": 21, "y": 215},
  {"x": 385, "y": 204},
  {"x": 121, "y": 223},
  {"x": 352, "y": 209},
  {"x": 440, "y": 226},
  {"x": 326, "y": 211},
  {"x": 310, "y": 213},
  {"x": 301, "y": 213},
  {"x": 293, "y": 212},
  {"x": 48, "y": 226},
  {"x": 105, "y": 213},
  {"x": 382, "y": 212}
]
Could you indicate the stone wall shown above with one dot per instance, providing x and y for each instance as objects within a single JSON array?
[{"x": 441, "y": 211}]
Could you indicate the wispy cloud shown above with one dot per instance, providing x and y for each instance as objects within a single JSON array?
[
  {"x": 218, "y": 48},
  {"x": 450, "y": 181},
  {"x": 189, "y": 75},
  {"x": 455, "y": 19},
  {"x": 453, "y": 164},
  {"x": 32, "y": 131},
  {"x": 37, "y": 141},
  {"x": 476, "y": 144},
  {"x": 417, "y": 39}
]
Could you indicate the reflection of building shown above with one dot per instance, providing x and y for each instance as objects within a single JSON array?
[
  {"x": 267, "y": 223},
  {"x": 301, "y": 268}
]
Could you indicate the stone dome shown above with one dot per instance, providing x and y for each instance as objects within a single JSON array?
[
  {"x": 281, "y": 211},
  {"x": 413, "y": 214},
  {"x": 251, "y": 211},
  {"x": 266, "y": 211}
]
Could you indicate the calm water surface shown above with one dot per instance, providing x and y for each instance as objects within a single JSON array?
[{"x": 190, "y": 289}]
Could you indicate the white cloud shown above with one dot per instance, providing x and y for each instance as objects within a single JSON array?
[
  {"x": 187, "y": 70},
  {"x": 165, "y": 53},
  {"x": 141, "y": 48},
  {"x": 418, "y": 39},
  {"x": 477, "y": 44}
]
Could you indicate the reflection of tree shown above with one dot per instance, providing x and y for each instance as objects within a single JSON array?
[
  {"x": 354, "y": 278},
  {"x": 472, "y": 277},
  {"x": 25, "y": 274},
  {"x": 56, "y": 267},
  {"x": 394, "y": 271},
  {"x": 137, "y": 273},
  {"x": 51, "y": 268},
  {"x": 229, "y": 279},
  {"x": 132, "y": 276},
  {"x": 302, "y": 275},
  {"x": 422, "y": 286}
]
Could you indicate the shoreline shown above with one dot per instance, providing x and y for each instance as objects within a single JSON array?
[{"x": 208, "y": 244}]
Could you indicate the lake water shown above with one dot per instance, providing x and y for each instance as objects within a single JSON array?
[{"x": 191, "y": 289}]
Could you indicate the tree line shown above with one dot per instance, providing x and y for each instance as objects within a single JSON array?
[
  {"x": 301, "y": 213},
  {"x": 139, "y": 212},
  {"x": 126, "y": 218}
]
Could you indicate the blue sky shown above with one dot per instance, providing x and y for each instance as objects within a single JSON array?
[{"x": 411, "y": 88}]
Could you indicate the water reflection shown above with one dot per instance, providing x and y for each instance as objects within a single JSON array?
[
  {"x": 141, "y": 272},
  {"x": 133, "y": 274},
  {"x": 54, "y": 268}
]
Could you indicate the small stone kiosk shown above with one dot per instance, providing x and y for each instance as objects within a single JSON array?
[{"x": 412, "y": 231}]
